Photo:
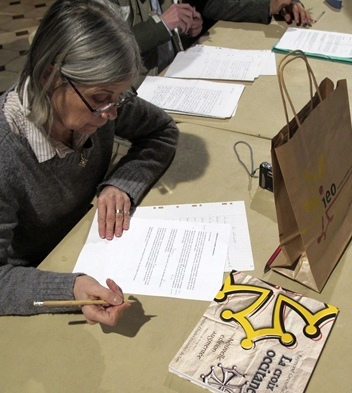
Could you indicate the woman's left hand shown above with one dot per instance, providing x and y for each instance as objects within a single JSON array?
[{"x": 113, "y": 212}]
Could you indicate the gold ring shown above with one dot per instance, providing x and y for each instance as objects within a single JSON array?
[{"x": 119, "y": 211}]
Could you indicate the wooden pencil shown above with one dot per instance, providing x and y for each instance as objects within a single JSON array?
[{"x": 69, "y": 303}]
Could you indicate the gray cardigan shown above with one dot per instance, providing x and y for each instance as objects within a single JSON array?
[{"x": 41, "y": 202}]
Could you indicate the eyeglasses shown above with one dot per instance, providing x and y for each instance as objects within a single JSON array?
[{"x": 123, "y": 98}]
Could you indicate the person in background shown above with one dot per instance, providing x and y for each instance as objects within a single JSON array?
[
  {"x": 255, "y": 11},
  {"x": 164, "y": 27},
  {"x": 57, "y": 129},
  {"x": 157, "y": 25}
]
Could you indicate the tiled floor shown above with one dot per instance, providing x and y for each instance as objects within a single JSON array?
[{"x": 18, "y": 18}]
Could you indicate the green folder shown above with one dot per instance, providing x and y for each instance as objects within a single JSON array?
[{"x": 315, "y": 43}]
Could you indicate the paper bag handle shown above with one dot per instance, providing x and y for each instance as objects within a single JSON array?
[{"x": 297, "y": 54}]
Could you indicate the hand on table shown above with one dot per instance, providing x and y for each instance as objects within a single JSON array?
[
  {"x": 86, "y": 287},
  {"x": 183, "y": 17},
  {"x": 113, "y": 212},
  {"x": 291, "y": 11}
]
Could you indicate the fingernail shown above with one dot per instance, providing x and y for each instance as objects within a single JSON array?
[{"x": 118, "y": 301}]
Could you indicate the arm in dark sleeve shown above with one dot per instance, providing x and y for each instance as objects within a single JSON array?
[
  {"x": 20, "y": 282},
  {"x": 255, "y": 11},
  {"x": 150, "y": 34},
  {"x": 153, "y": 136}
]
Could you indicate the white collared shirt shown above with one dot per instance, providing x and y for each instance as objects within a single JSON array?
[{"x": 43, "y": 146}]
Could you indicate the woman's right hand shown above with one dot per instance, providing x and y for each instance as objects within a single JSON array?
[{"x": 87, "y": 288}]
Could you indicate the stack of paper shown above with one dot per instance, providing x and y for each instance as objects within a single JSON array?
[
  {"x": 324, "y": 44},
  {"x": 160, "y": 258},
  {"x": 193, "y": 97},
  {"x": 211, "y": 62},
  {"x": 177, "y": 251},
  {"x": 240, "y": 255}
]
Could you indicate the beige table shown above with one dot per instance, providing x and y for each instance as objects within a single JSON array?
[
  {"x": 260, "y": 111},
  {"x": 61, "y": 353}
]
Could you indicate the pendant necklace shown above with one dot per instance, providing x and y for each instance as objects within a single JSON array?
[{"x": 82, "y": 160}]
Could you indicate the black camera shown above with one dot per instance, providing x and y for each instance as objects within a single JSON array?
[{"x": 266, "y": 176}]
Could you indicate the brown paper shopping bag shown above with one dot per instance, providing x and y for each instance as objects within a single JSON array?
[{"x": 312, "y": 166}]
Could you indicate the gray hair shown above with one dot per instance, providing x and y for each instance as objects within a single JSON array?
[{"x": 85, "y": 40}]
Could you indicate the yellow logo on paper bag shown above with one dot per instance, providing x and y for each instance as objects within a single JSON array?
[{"x": 326, "y": 197}]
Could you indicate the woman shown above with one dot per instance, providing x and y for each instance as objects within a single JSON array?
[{"x": 57, "y": 129}]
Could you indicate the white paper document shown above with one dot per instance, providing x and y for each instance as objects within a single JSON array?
[
  {"x": 211, "y": 62},
  {"x": 323, "y": 43},
  {"x": 193, "y": 97},
  {"x": 160, "y": 258},
  {"x": 240, "y": 255}
]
